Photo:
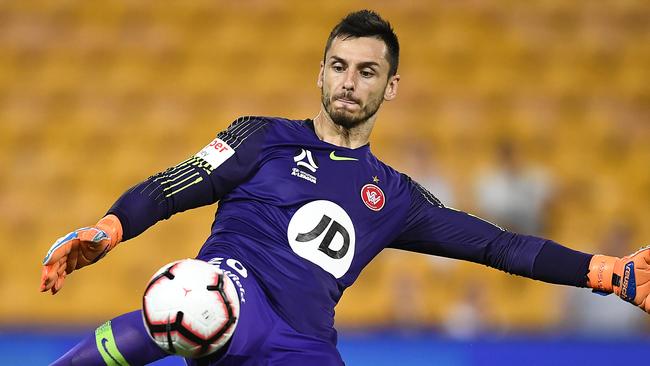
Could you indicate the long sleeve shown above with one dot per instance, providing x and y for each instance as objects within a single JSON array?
[
  {"x": 434, "y": 229},
  {"x": 203, "y": 179}
]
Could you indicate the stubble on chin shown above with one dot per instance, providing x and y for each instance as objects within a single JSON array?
[{"x": 346, "y": 119}]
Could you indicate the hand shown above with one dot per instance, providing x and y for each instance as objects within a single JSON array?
[
  {"x": 78, "y": 249},
  {"x": 627, "y": 277}
]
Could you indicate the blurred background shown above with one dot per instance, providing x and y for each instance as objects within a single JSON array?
[{"x": 532, "y": 114}]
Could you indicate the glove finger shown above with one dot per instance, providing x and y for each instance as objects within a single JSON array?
[
  {"x": 71, "y": 261},
  {"x": 58, "y": 284},
  {"x": 45, "y": 278},
  {"x": 50, "y": 274},
  {"x": 61, "y": 266}
]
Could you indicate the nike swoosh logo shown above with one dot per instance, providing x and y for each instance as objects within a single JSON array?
[
  {"x": 104, "y": 341},
  {"x": 340, "y": 158}
]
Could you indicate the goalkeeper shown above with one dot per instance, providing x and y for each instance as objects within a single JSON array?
[{"x": 304, "y": 207}]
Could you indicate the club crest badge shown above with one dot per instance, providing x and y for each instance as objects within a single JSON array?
[{"x": 373, "y": 197}]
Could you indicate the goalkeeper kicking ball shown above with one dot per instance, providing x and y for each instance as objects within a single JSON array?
[{"x": 190, "y": 308}]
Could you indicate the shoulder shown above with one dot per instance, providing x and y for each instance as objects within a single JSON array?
[
  {"x": 421, "y": 192},
  {"x": 388, "y": 171},
  {"x": 246, "y": 122},
  {"x": 407, "y": 185},
  {"x": 278, "y": 122},
  {"x": 389, "y": 178},
  {"x": 246, "y": 126},
  {"x": 251, "y": 124}
]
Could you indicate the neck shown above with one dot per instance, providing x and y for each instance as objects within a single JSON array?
[{"x": 330, "y": 132}]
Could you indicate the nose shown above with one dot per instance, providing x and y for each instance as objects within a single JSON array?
[{"x": 349, "y": 82}]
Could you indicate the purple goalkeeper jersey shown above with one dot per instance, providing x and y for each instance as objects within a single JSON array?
[{"x": 305, "y": 216}]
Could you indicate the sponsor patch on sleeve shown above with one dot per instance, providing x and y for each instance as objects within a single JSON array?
[{"x": 216, "y": 153}]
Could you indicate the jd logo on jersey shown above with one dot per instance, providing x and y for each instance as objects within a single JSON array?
[
  {"x": 324, "y": 246},
  {"x": 323, "y": 233},
  {"x": 305, "y": 163}
]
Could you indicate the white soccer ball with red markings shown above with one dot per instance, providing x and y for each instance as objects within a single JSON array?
[{"x": 190, "y": 308}]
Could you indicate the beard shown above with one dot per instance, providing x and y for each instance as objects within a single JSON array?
[{"x": 345, "y": 118}]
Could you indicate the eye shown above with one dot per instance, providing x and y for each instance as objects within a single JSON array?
[
  {"x": 338, "y": 67},
  {"x": 367, "y": 73}
]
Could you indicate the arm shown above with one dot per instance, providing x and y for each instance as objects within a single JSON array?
[
  {"x": 203, "y": 179},
  {"x": 434, "y": 229}
]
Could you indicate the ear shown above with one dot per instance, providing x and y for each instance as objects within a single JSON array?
[
  {"x": 391, "y": 88},
  {"x": 320, "y": 75}
]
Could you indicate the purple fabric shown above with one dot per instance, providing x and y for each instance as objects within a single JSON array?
[
  {"x": 150, "y": 201},
  {"x": 433, "y": 229},
  {"x": 261, "y": 336},
  {"x": 282, "y": 174},
  {"x": 558, "y": 264},
  {"x": 130, "y": 337}
]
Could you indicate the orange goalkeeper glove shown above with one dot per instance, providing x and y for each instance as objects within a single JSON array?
[
  {"x": 627, "y": 277},
  {"x": 78, "y": 249}
]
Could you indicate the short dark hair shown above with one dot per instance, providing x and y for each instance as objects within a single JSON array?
[{"x": 367, "y": 23}]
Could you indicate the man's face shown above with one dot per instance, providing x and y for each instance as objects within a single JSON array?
[{"x": 354, "y": 80}]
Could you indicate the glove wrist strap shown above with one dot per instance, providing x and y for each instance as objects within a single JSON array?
[
  {"x": 113, "y": 227},
  {"x": 601, "y": 271}
]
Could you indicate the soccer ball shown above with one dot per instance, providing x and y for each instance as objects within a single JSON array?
[{"x": 190, "y": 308}]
